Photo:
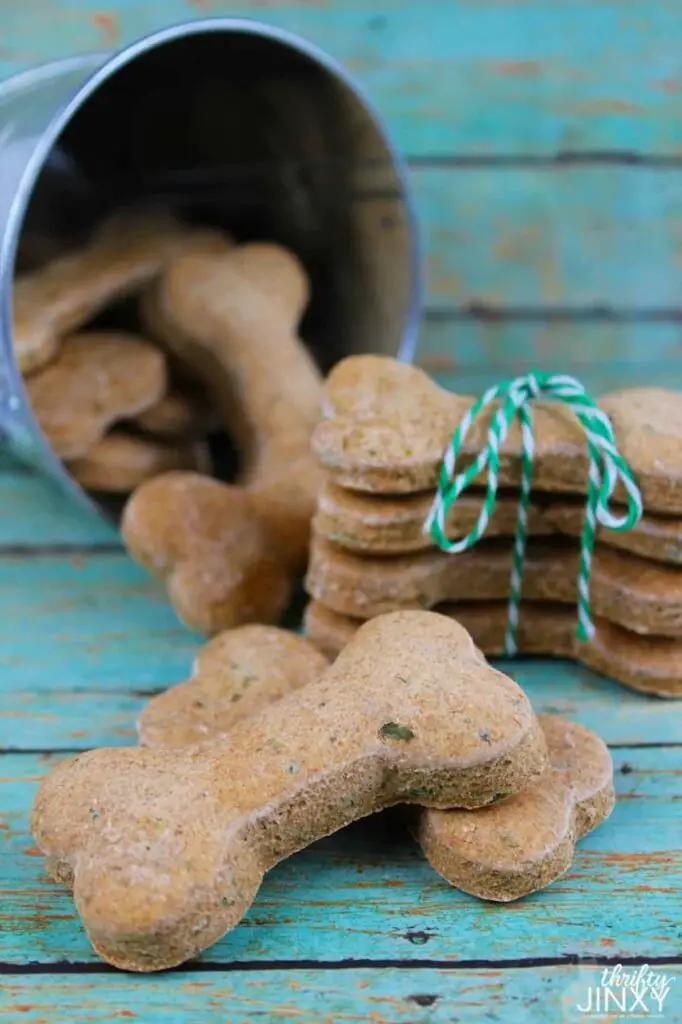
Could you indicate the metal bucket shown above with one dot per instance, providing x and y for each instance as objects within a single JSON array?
[{"x": 232, "y": 123}]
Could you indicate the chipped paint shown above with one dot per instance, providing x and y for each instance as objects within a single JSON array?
[
  {"x": 519, "y": 68},
  {"x": 106, "y": 24}
]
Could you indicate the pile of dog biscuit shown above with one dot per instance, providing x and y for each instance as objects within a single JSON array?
[
  {"x": 210, "y": 350},
  {"x": 267, "y": 746},
  {"x": 107, "y": 399},
  {"x": 381, "y": 444},
  {"x": 266, "y": 749}
]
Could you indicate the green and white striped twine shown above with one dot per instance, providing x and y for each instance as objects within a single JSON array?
[{"x": 606, "y": 468}]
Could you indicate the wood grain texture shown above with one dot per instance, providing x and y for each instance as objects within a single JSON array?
[
  {"x": 65, "y": 624},
  {"x": 34, "y": 512},
  {"x": 395, "y": 995},
  {"x": 469, "y": 354},
  {"x": 567, "y": 237},
  {"x": 456, "y": 77},
  {"x": 368, "y": 894}
]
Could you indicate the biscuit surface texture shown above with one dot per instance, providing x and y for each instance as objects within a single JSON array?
[
  {"x": 650, "y": 664},
  {"x": 525, "y": 842},
  {"x": 387, "y": 426},
  {"x": 126, "y": 252},
  {"x": 239, "y": 672},
  {"x": 514, "y": 848},
  {"x": 98, "y": 378},
  {"x": 165, "y": 850},
  {"x": 203, "y": 539},
  {"x": 394, "y": 524},
  {"x": 642, "y": 596},
  {"x": 120, "y": 462}
]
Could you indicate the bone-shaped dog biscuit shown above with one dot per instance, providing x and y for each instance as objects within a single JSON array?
[
  {"x": 387, "y": 426},
  {"x": 120, "y": 462},
  {"x": 98, "y": 378},
  {"x": 125, "y": 253},
  {"x": 498, "y": 853},
  {"x": 207, "y": 545},
  {"x": 237, "y": 314},
  {"x": 649, "y": 664},
  {"x": 642, "y": 596},
  {"x": 163, "y": 328},
  {"x": 519, "y": 845},
  {"x": 165, "y": 850},
  {"x": 391, "y": 525},
  {"x": 236, "y": 674},
  {"x": 178, "y": 416}
]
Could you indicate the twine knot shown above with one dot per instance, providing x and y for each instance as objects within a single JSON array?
[{"x": 606, "y": 469}]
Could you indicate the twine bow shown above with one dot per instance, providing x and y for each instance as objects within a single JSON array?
[{"x": 606, "y": 468}]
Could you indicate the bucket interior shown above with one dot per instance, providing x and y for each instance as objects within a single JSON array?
[{"x": 244, "y": 131}]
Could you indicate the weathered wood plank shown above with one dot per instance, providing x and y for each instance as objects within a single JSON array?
[
  {"x": 368, "y": 894},
  {"x": 35, "y": 512},
  {"x": 469, "y": 355},
  {"x": 66, "y": 720},
  {"x": 464, "y": 77},
  {"x": 598, "y": 378},
  {"x": 568, "y": 237},
  {"x": 96, "y": 625},
  {"x": 408, "y": 994},
  {"x": 603, "y": 353},
  {"x": 87, "y": 622}
]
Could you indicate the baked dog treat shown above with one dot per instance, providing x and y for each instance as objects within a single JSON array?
[
  {"x": 236, "y": 674},
  {"x": 522, "y": 844},
  {"x": 392, "y": 525},
  {"x": 120, "y": 462},
  {"x": 98, "y": 378},
  {"x": 178, "y": 416},
  {"x": 163, "y": 328},
  {"x": 218, "y": 564},
  {"x": 125, "y": 253},
  {"x": 645, "y": 597},
  {"x": 500, "y": 852},
  {"x": 387, "y": 426},
  {"x": 649, "y": 664},
  {"x": 165, "y": 850},
  {"x": 236, "y": 317}
]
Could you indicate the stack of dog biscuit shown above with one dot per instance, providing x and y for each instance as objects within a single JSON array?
[{"x": 381, "y": 444}]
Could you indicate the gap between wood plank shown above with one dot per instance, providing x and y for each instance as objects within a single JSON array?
[
  {"x": 60, "y": 550},
  {"x": 49, "y": 751},
  {"x": 231, "y": 966},
  {"x": 551, "y": 314},
  {"x": 587, "y": 158}
]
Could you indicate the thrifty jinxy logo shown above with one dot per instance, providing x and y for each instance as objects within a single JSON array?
[{"x": 627, "y": 992}]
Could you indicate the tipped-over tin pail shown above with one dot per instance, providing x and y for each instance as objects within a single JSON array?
[{"x": 232, "y": 123}]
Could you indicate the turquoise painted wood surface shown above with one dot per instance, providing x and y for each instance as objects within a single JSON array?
[
  {"x": 493, "y": 77},
  {"x": 428, "y": 995},
  {"x": 545, "y": 145}
]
